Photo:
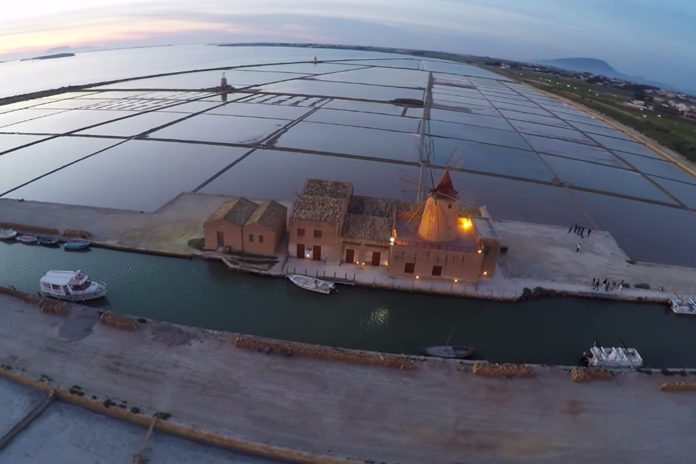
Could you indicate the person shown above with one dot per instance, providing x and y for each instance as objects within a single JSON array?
[
  {"x": 589, "y": 231},
  {"x": 577, "y": 248},
  {"x": 570, "y": 229}
]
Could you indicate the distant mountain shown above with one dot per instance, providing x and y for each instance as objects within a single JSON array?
[{"x": 600, "y": 67}]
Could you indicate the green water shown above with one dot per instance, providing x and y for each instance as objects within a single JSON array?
[{"x": 206, "y": 294}]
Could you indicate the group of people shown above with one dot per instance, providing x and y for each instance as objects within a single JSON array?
[
  {"x": 607, "y": 284},
  {"x": 579, "y": 231}
]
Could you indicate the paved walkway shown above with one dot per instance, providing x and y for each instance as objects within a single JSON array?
[{"x": 435, "y": 413}]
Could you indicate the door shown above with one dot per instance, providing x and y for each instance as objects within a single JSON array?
[
  {"x": 300, "y": 250},
  {"x": 316, "y": 253},
  {"x": 350, "y": 255},
  {"x": 376, "y": 258},
  {"x": 220, "y": 239}
]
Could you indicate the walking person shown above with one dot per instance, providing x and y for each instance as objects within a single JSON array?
[
  {"x": 589, "y": 231},
  {"x": 577, "y": 248}
]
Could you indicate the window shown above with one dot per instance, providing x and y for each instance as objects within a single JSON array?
[
  {"x": 251, "y": 237},
  {"x": 300, "y": 232},
  {"x": 260, "y": 238},
  {"x": 317, "y": 233},
  {"x": 449, "y": 205},
  {"x": 437, "y": 270},
  {"x": 409, "y": 268}
]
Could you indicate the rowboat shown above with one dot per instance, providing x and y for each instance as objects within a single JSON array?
[
  {"x": 47, "y": 241},
  {"x": 28, "y": 239},
  {"x": 76, "y": 246},
  {"x": 312, "y": 284},
  {"x": 7, "y": 234},
  {"x": 450, "y": 351}
]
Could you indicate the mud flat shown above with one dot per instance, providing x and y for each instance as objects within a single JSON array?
[{"x": 309, "y": 409}]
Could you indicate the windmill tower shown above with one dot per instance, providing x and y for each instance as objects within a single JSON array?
[{"x": 440, "y": 214}]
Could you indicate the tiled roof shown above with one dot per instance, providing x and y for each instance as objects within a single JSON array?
[
  {"x": 371, "y": 206},
  {"x": 269, "y": 214},
  {"x": 362, "y": 227},
  {"x": 235, "y": 211},
  {"x": 328, "y": 188},
  {"x": 319, "y": 208}
]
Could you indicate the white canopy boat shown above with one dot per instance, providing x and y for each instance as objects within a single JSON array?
[
  {"x": 683, "y": 306},
  {"x": 71, "y": 286},
  {"x": 602, "y": 356},
  {"x": 312, "y": 284}
]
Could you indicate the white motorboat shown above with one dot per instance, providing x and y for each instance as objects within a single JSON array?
[
  {"x": 602, "y": 356},
  {"x": 70, "y": 286},
  {"x": 683, "y": 306},
  {"x": 7, "y": 234},
  {"x": 312, "y": 284}
]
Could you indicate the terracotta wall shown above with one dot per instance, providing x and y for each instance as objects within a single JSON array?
[
  {"x": 271, "y": 238},
  {"x": 460, "y": 265},
  {"x": 232, "y": 235},
  {"x": 330, "y": 240}
]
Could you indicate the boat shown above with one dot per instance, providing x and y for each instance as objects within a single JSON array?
[
  {"x": 47, "y": 241},
  {"x": 613, "y": 356},
  {"x": 26, "y": 238},
  {"x": 683, "y": 306},
  {"x": 450, "y": 351},
  {"x": 76, "y": 246},
  {"x": 70, "y": 286},
  {"x": 7, "y": 234},
  {"x": 312, "y": 284}
]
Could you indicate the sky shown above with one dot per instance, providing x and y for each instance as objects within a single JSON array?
[{"x": 648, "y": 38}]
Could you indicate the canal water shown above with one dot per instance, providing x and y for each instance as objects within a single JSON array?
[{"x": 206, "y": 294}]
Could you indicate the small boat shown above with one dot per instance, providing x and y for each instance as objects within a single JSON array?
[
  {"x": 7, "y": 234},
  {"x": 683, "y": 306},
  {"x": 450, "y": 351},
  {"x": 70, "y": 286},
  {"x": 76, "y": 246},
  {"x": 28, "y": 239},
  {"x": 47, "y": 241},
  {"x": 613, "y": 356},
  {"x": 312, "y": 284}
]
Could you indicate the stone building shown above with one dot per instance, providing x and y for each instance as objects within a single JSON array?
[
  {"x": 246, "y": 226},
  {"x": 440, "y": 239},
  {"x": 316, "y": 221},
  {"x": 435, "y": 239}
]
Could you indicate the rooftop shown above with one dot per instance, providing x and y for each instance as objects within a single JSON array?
[
  {"x": 372, "y": 228},
  {"x": 319, "y": 208},
  {"x": 270, "y": 214},
  {"x": 407, "y": 236},
  {"x": 372, "y": 206},
  {"x": 328, "y": 188},
  {"x": 236, "y": 211}
]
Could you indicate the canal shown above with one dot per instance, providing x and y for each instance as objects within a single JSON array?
[{"x": 206, "y": 294}]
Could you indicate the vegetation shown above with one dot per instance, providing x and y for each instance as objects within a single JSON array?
[{"x": 197, "y": 243}]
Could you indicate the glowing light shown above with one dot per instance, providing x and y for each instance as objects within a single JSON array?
[
  {"x": 417, "y": 277},
  {"x": 479, "y": 251},
  {"x": 465, "y": 223},
  {"x": 485, "y": 273},
  {"x": 456, "y": 281}
]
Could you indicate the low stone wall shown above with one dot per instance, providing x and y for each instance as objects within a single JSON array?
[
  {"x": 29, "y": 229},
  {"x": 269, "y": 346},
  {"x": 502, "y": 370},
  {"x": 678, "y": 387},
  {"x": 589, "y": 374}
]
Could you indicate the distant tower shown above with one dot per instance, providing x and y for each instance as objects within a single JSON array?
[
  {"x": 439, "y": 220},
  {"x": 223, "y": 81}
]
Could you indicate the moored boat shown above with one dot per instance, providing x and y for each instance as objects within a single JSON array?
[
  {"x": 27, "y": 238},
  {"x": 70, "y": 286},
  {"x": 683, "y": 306},
  {"x": 47, "y": 241},
  {"x": 450, "y": 351},
  {"x": 7, "y": 234},
  {"x": 76, "y": 246},
  {"x": 613, "y": 356},
  {"x": 312, "y": 284}
]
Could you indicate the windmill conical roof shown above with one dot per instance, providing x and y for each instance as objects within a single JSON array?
[{"x": 445, "y": 188}]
